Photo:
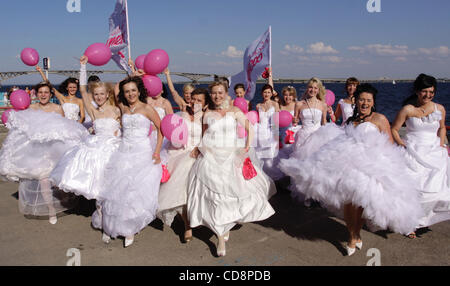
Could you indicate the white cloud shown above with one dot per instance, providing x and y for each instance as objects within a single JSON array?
[
  {"x": 320, "y": 48},
  {"x": 383, "y": 50},
  {"x": 320, "y": 59},
  {"x": 293, "y": 49},
  {"x": 232, "y": 52},
  {"x": 441, "y": 51},
  {"x": 401, "y": 59}
]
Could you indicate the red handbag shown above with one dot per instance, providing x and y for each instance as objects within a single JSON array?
[
  {"x": 289, "y": 139},
  {"x": 165, "y": 174},
  {"x": 248, "y": 171}
]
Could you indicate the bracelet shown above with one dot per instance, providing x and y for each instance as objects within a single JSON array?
[{"x": 157, "y": 155}]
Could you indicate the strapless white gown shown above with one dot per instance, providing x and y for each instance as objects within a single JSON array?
[
  {"x": 71, "y": 111},
  {"x": 35, "y": 143},
  {"x": 346, "y": 109},
  {"x": 130, "y": 200},
  {"x": 81, "y": 169},
  {"x": 429, "y": 162},
  {"x": 360, "y": 167},
  {"x": 218, "y": 195},
  {"x": 173, "y": 193}
]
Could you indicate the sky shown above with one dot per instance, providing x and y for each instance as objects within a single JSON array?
[{"x": 323, "y": 38}]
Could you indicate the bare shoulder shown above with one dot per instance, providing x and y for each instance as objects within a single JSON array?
[
  {"x": 440, "y": 107},
  {"x": 34, "y": 106},
  {"x": 378, "y": 117}
]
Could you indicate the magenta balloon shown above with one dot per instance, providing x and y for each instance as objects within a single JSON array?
[
  {"x": 29, "y": 56},
  {"x": 241, "y": 104},
  {"x": 20, "y": 99},
  {"x": 5, "y": 115},
  {"x": 139, "y": 62},
  {"x": 98, "y": 54},
  {"x": 156, "y": 61},
  {"x": 175, "y": 129},
  {"x": 329, "y": 97},
  {"x": 252, "y": 116},
  {"x": 152, "y": 84},
  {"x": 284, "y": 118}
]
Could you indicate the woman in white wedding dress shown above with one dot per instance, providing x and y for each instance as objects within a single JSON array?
[
  {"x": 173, "y": 193},
  {"x": 132, "y": 178},
  {"x": 37, "y": 139},
  {"x": 360, "y": 174},
  {"x": 425, "y": 149},
  {"x": 218, "y": 194},
  {"x": 82, "y": 169}
]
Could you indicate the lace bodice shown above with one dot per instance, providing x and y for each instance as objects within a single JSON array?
[
  {"x": 135, "y": 126},
  {"x": 311, "y": 117},
  {"x": 106, "y": 127},
  {"x": 346, "y": 109}
]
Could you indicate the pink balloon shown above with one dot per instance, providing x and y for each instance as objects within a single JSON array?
[
  {"x": 156, "y": 61},
  {"x": 153, "y": 85},
  {"x": 283, "y": 118},
  {"x": 20, "y": 99},
  {"x": 5, "y": 115},
  {"x": 98, "y": 54},
  {"x": 241, "y": 103},
  {"x": 253, "y": 116},
  {"x": 241, "y": 132},
  {"x": 329, "y": 97},
  {"x": 29, "y": 56},
  {"x": 175, "y": 129},
  {"x": 139, "y": 62}
]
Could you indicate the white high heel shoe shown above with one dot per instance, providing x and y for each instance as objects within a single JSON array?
[
  {"x": 106, "y": 238},
  {"x": 359, "y": 245},
  {"x": 52, "y": 220},
  {"x": 128, "y": 241},
  {"x": 226, "y": 237},
  {"x": 350, "y": 251}
]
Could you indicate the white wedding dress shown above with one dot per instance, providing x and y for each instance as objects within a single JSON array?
[
  {"x": 429, "y": 162},
  {"x": 218, "y": 195}
]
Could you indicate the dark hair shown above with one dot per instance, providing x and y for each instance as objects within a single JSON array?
[
  {"x": 239, "y": 85},
  {"x": 141, "y": 88},
  {"x": 267, "y": 86},
  {"x": 422, "y": 81},
  {"x": 365, "y": 87},
  {"x": 198, "y": 90},
  {"x": 42, "y": 84},
  {"x": 93, "y": 78},
  {"x": 63, "y": 86}
]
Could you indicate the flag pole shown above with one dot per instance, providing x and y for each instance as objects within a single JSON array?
[
  {"x": 270, "y": 46},
  {"x": 128, "y": 30}
]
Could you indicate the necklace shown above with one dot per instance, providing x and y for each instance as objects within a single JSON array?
[
  {"x": 132, "y": 109},
  {"x": 313, "y": 113}
]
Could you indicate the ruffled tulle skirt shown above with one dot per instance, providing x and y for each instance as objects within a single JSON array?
[
  {"x": 364, "y": 170},
  {"x": 35, "y": 143},
  {"x": 82, "y": 169},
  {"x": 129, "y": 200},
  {"x": 219, "y": 196}
]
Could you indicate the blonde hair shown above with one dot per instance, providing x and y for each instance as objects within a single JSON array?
[
  {"x": 321, "y": 94},
  {"x": 291, "y": 90},
  {"x": 109, "y": 91},
  {"x": 217, "y": 83},
  {"x": 188, "y": 85}
]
